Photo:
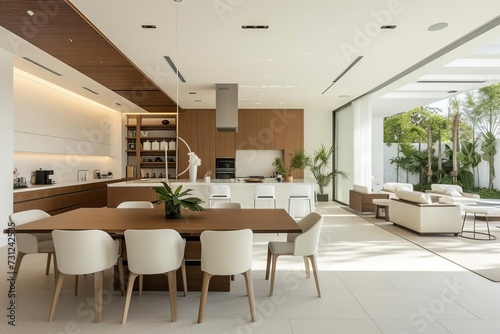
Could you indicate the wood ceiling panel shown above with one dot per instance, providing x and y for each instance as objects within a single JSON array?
[
  {"x": 146, "y": 97},
  {"x": 60, "y": 31}
]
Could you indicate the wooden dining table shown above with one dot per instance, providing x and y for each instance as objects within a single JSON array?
[{"x": 191, "y": 224}]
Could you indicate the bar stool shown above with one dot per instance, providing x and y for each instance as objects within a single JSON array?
[
  {"x": 219, "y": 192},
  {"x": 300, "y": 192},
  {"x": 264, "y": 192}
]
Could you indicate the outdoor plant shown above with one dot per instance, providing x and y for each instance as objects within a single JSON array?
[
  {"x": 175, "y": 199},
  {"x": 319, "y": 165}
]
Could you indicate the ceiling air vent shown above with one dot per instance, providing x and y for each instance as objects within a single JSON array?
[
  {"x": 42, "y": 66},
  {"x": 226, "y": 107}
]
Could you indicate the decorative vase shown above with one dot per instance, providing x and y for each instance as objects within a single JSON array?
[
  {"x": 193, "y": 170},
  {"x": 288, "y": 178},
  {"x": 173, "y": 214}
]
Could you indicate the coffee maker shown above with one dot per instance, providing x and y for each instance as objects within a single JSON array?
[{"x": 43, "y": 176}]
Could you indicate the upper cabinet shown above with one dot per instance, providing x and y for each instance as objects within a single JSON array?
[{"x": 151, "y": 144}]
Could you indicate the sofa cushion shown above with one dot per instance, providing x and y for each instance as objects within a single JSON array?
[
  {"x": 404, "y": 187},
  {"x": 453, "y": 192},
  {"x": 360, "y": 189},
  {"x": 443, "y": 188},
  {"x": 414, "y": 196}
]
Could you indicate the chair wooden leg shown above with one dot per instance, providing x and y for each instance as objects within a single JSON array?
[
  {"x": 56, "y": 269},
  {"x": 98, "y": 277},
  {"x": 76, "y": 285},
  {"x": 172, "y": 290},
  {"x": 268, "y": 265},
  {"x": 306, "y": 263},
  {"x": 19, "y": 258},
  {"x": 120, "y": 273},
  {"x": 130, "y": 287},
  {"x": 315, "y": 272},
  {"x": 184, "y": 277},
  {"x": 273, "y": 273},
  {"x": 55, "y": 297},
  {"x": 251, "y": 300},
  {"x": 47, "y": 268},
  {"x": 140, "y": 285},
  {"x": 203, "y": 298}
]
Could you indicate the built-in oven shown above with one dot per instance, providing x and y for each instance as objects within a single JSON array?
[{"x": 224, "y": 168}]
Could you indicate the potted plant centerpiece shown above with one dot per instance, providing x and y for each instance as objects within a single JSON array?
[
  {"x": 174, "y": 200},
  {"x": 298, "y": 160},
  {"x": 319, "y": 165}
]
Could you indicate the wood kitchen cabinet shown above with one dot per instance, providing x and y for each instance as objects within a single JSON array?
[
  {"x": 252, "y": 133},
  {"x": 197, "y": 128},
  {"x": 294, "y": 136},
  {"x": 275, "y": 129}
]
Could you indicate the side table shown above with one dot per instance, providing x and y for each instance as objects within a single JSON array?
[
  {"x": 381, "y": 204},
  {"x": 479, "y": 210}
]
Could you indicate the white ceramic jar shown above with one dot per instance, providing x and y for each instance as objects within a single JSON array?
[
  {"x": 155, "y": 146},
  {"x": 146, "y": 146}
]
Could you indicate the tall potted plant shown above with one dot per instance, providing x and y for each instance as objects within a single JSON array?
[
  {"x": 175, "y": 199},
  {"x": 319, "y": 165},
  {"x": 298, "y": 160}
]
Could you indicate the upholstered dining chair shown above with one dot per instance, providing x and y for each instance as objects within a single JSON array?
[
  {"x": 303, "y": 244},
  {"x": 32, "y": 243},
  {"x": 152, "y": 252},
  {"x": 135, "y": 205},
  {"x": 224, "y": 205},
  {"x": 226, "y": 253},
  {"x": 85, "y": 252},
  {"x": 219, "y": 192}
]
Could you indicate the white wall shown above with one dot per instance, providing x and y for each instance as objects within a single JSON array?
[
  {"x": 344, "y": 145},
  {"x": 59, "y": 130},
  {"x": 6, "y": 140},
  {"x": 317, "y": 131}
]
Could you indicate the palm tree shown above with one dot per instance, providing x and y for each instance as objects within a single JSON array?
[{"x": 454, "y": 114}]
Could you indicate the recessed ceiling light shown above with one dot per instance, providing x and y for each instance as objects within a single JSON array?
[
  {"x": 438, "y": 26},
  {"x": 388, "y": 27},
  {"x": 30, "y": 12},
  {"x": 254, "y": 27},
  {"x": 148, "y": 26}
]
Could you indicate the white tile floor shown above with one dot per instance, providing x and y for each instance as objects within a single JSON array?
[{"x": 371, "y": 280}]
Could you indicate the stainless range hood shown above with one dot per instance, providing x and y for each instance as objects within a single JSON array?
[{"x": 226, "y": 107}]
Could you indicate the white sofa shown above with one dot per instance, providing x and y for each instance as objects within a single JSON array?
[
  {"x": 390, "y": 188},
  {"x": 415, "y": 211},
  {"x": 452, "y": 193}
]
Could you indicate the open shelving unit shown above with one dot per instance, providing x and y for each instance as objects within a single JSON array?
[{"x": 149, "y": 163}]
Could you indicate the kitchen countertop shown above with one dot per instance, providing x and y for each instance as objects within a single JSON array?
[
  {"x": 34, "y": 187},
  {"x": 157, "y": 182}
]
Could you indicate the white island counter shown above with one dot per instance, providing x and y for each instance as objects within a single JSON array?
[{"x": 241, "y": 192}]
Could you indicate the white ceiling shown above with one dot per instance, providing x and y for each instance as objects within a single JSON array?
[{"x": 307, "y": 45}]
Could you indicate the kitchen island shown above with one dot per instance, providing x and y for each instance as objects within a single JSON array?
[{"x": 241, "y": 192}]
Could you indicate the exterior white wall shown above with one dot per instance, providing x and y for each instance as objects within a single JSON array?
[
  {"x": 481, "y": 174},
  {"x": 6, "y": 138}
]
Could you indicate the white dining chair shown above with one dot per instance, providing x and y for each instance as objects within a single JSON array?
[
  {"x": 85, "y": 252},
  {"x": 226, "y": 253},
  {"x": 264, "y": 192},
  {"x": 303, "y": 244},
  {"x": 219, "y": 192},
  {"x": 135, "y": 205},
  {"x": 151, "y": 252},
  {"x": 224, "y": 205},
  {"x": 298, "y": 192},
  {"x": 32, "y": 243}
]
